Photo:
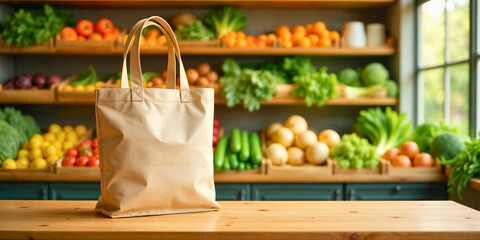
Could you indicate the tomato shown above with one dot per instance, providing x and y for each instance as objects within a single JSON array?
[
  {"x": 216, "y": 122},
  {"x": 84, "y": 28},
  {"x": 215, "y": 131},
  {"x": 88, "y": 142},
  {"x": 72, "y": 152},
  {"x": 214, "y": 140},
  {"x": 409, "y": 149},
  {"x": 93, "y": 162},
  {"x": 83, "y": 146},
  {"x": 81, "y": 161},
  {"x": 95, "y": 151},
  {"x": 69, "y": 161},
  {"x": 69, "y": 34},
  {"x": 104, "y": 26},
  {"x": 86, "y": 153},
  {"x": 95, "y": 143}
]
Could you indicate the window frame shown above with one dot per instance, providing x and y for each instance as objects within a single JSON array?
[{"x": 473, "y": 62}]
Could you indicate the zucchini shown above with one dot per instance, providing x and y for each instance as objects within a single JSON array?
[
  {"x": 245, "y": 152},
  {"x": 235, "y": 141},
  {"x": 241, "y": 166},
  {"x": 255, "y": 147},
  {"x": 248, "y": 166},
  {"x": 226, "y": 164},
  {"x": 233, "y": 161},
  {"x": 220, "y": 153}
]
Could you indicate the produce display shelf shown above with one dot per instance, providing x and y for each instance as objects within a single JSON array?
[
  {"x": 16, "y": 176},
  {"x": 474, "y": 183},
  {"x": 370, "y": 51},
  {"x": 213, "y": 3}
]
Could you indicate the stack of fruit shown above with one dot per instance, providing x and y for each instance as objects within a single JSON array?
[
  {"x": 408, "y": 156},
  {"x": 26, "y": 81},
  {"x": 203, "y": 76},
  {"x": 41, "y": 151},
  {"x": 238, "y": 39},
  {"x": 86, "y": 82},
  {"x": 303, "y": 144},
  {"x": 310, "y": 35},
  {"x": 84, "y": 154},
  {"x": 104, "y": 30},
  {"x": 150, "y": 37},
  {"x": 242, "y": 151}
]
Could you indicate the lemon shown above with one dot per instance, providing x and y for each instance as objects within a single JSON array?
[
  {"x": 9, "y": 164},
  {"x": 35, "y": 143},
  {"x": 39, "y": 163},
  {"x": 67, "y": 145},
  {"x": 49, "y": 151},
  {"x": 81, "y": 130},
  {"x": 50, "y": 136},
  {"x": 100, "y": 84},
  {"x": 61, "y": 136},
  {"x": 22, "y": 153},
  {"x": 23, "y": 163},
  {"x": 35, "y": 153},
  {"x": 90, "y": 88},
  {"x": 68, "y": 88},
  {"x": 68, "y": 128},
  {"x": 52, "y": 159},
  {"x": 37, "y": 137},
  {"x": 79, "y": 88},
  {"x": 71, "y": 136},
  {"x": 26, "y": 145},
  {"x": 46, "y": 143},
  {"x": 57, "y": 144},
  {"x": 54, "y": 128}
]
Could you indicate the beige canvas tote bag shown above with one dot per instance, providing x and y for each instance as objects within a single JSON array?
[{"x": 155, "y": 144}]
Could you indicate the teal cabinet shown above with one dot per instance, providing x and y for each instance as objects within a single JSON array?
[
  {"x": 232, "y": 191},
  {"x": 23, "y": 191},
  {"x": 395, "y": 191},
  {"x": 297, "y": 191},
  {"x": 74, "y": 191}
]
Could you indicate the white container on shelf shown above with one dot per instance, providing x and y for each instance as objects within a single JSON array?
[
  {"x": 376, "y": 35},
  {"x": 354, "y": 34}
]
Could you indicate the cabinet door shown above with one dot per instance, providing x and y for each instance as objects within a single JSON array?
[
  {"x": 232, "y": 191},
  {"x": 74, "y": 191},
  {"x": 395, "y": 191},
  {"x": 297, "y": 191},
  {"x": 23, "y": 191}
]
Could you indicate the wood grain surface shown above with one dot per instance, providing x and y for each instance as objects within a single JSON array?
[{"x": 247, "y": 220}]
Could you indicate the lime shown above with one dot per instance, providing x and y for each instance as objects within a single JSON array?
[{"x": 9, "y": 164}]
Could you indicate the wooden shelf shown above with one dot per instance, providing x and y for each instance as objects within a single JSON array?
[
  {"x": 17, "y": 176},
  {"x": 210, "y": 3},
  {"x": 474, "y": 183},
  {"x": 371, "y": 51}
]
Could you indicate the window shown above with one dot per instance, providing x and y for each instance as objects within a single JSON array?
[{"x": 446, "y": 52}]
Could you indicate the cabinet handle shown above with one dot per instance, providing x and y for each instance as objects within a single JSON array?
[
  {"x": 43, "y": 192},
  {"x": 241, "y": 195},
  {"x": 398, "y": 188},
  {"x": 337, "y": 195},
  {"x": 351, "y": 195}
]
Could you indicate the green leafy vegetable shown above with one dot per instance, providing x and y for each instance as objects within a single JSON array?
[
  {"x": 384, "y": 130},
  {"x": 225, "y": 20},
  {"x": 276, "y": 69},
  {"x": 86, "y": 78},
  {"x": 426, "y": 132},
  {"x": 25, "y": 28},
  {"x": 297, "y": 66},
  {"x": 355, "y": 152},
  {"x": 194, "y": 31},
  {"x": 446, "y": 146},
  {"x": 465, "y": 166},
  {"x": 374, "y": 73},
  {"x": 316, "y": 88},
  {"x": 247, "y": 85}
]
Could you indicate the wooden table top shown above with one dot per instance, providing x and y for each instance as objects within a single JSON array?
[{"x": 247, "y": 220}]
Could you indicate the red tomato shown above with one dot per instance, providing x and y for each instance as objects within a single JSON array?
[
  {"x": 83, "y": 147},
  {"x": 95, "y": 151},
  {"x": 93, "y": 162},
  {"x": 85, "y": 153},
  {"x": 409, "y": 149},
  {"x": 94, "y": 143},
  {"x": 81, "y": 162},
  {"x": 216, "y": 122},
  {"x": 215, "y": 132},
  {"x": 401, "y": 161},
  {"x": 104, "y": 26},
  {"x": 88, "y": 142},
  {"x": 72, "y": 152},
  {"x": 84, "y": 28},
  {"x": 69, "y": 161},
  {"x": 390, "y": 154},
  {"x": 214, "y": 141}
]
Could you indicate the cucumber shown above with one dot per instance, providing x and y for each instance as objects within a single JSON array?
[
  {"x": 233, "y": 161},
  {"x": 248, "y": 166},
  {"x": 220, "y": 153},
  {"x": 235, "y": 141},
  {"x": 241, "y": 166},
  {"x": 255, "y": 148},
  {"x": 226, "y": 164},
  {"x": 245, "y": 152}
]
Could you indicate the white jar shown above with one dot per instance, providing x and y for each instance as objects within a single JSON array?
[
  {"x": 354, "y": 34},
  {"x": 376, "y": 35}
]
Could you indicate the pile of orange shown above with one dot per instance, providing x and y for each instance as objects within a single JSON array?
[
  {"x": 310, "y": 35},
  {"x": 239, "y": 39},
  {"x": 153, "y": 38}
]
